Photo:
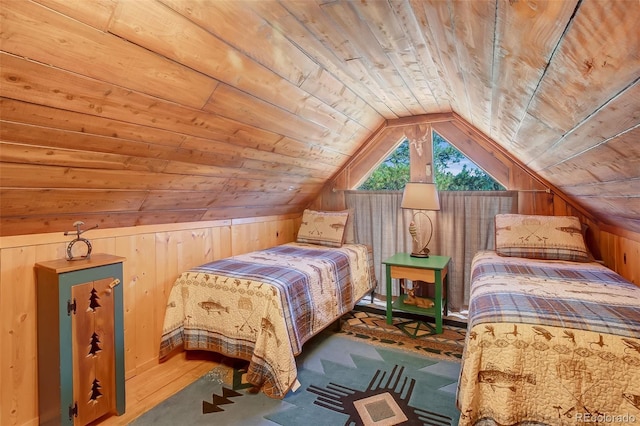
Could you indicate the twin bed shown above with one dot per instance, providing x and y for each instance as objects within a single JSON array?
[
  {"x": 552, "y": 338},
  {"x": 263, "y": 306}
]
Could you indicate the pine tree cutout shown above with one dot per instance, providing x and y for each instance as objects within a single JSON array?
[
  {"x": 95, "y": 345},
  {"x": 93, "y": 300},
  {"x": 95, "y": 391}
]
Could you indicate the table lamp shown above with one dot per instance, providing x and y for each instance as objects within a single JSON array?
[{"x": 420, "y": 197}]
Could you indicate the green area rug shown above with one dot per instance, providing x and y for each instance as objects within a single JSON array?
[{"x": 345, "y": 381}]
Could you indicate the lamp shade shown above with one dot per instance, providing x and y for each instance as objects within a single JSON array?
[{"x": 420, "y": 196}]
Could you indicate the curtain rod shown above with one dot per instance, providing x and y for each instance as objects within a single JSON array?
[{"x": 547, "y": 190}]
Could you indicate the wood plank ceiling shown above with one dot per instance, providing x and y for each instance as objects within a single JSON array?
[{"x": 125, "y": 112}]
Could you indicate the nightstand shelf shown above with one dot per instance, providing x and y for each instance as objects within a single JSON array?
[{"x": 400, "y": 304}]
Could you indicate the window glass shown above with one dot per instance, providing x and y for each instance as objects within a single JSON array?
[
  {"x": 392, "y": 173},
  {"x": 453, "y": 170}
]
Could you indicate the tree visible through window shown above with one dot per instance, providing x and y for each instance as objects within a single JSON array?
[
  {"x": 453, "y": 171},
  {"x": 392, "y": 173}
]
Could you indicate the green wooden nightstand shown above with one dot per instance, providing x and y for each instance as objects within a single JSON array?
[{"x": 432, "y": 269}]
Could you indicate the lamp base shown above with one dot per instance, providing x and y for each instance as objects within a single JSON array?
[{"x": 421, "y": 255}]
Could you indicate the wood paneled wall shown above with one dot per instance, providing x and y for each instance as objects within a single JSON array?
[
  {"x": 155, "y": 256},
  {"x": 620, "y": 251}
]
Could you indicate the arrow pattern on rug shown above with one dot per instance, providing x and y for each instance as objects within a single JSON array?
[
  {"x": 217, "y": 400},
  {"x": 373, "y": 327}
]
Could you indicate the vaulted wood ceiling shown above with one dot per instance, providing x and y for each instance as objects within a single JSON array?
[{"x": 125, "y": 112}]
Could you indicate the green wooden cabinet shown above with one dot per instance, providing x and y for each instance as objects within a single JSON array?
[{"x": 80, "y": 339}]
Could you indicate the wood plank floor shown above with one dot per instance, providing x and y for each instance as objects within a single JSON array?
[{"x": 144, "y": 391}]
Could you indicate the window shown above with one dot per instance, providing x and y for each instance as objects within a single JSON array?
[
  {"x": 453, "y": 170},
  {"x": 392, "y": 173}
]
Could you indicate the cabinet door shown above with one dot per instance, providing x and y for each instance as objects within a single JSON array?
[{"x": 93, "y": 347}]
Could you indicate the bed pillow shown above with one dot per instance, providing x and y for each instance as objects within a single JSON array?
[
  {"x": 323, "y": 228},
  {"x": 540, "y": 237}
]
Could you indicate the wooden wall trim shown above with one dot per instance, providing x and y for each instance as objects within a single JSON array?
[
  {"x": 421, "y": 119},
  {"x": 621, "y": 232},
  {"x": 58, "y": 237}
]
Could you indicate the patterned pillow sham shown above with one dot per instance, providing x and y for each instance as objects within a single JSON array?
[
  {"x": 322, "y": 228},
  {"x": 540, "y": 237}
]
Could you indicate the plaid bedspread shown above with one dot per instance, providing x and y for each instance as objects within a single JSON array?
[
  {"x": 584, "y": 296},
  {"x": 263, "y": 306},
  {"x": 550, "y": 342}
]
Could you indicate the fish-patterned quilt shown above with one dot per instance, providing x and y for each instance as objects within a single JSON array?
[
  {"x": 550, "y": 342},
  {"x": 263, "y": 306}
]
